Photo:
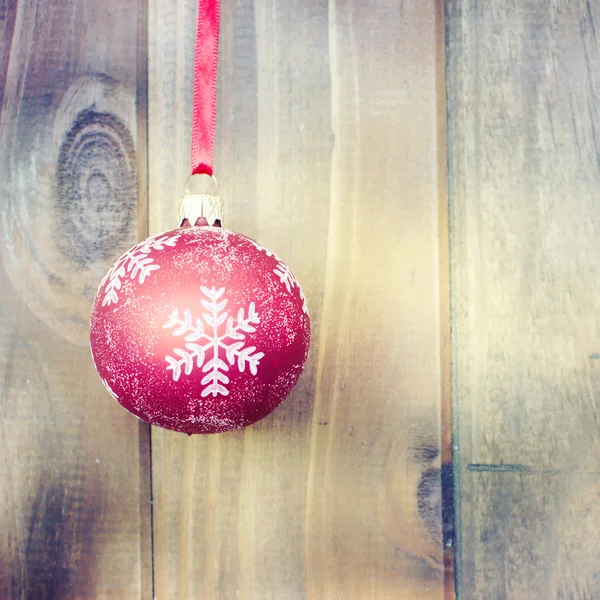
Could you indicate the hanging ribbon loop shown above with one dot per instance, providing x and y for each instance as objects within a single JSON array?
[{"x": 205, "y": 87}]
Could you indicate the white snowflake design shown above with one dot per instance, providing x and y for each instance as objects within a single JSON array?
[
  {"x": 289, "y": 279},
  {"x": 202, "y": 344},
  {"x": 284, "y": 273},
  {"x": 137, "y": 263}
]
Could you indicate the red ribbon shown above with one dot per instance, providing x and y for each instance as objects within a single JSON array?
[{"x": 205, "y": 87}]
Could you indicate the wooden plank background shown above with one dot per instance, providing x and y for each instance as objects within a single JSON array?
[
  {"x": 74, "y": 476},
  {"x": 327, "y": 152},
  {"x": 331, "y": 150},
  {"x": 524, "y": 79}
]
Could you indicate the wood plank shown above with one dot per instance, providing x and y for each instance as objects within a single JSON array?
[
  {"x": 523, "y": 79},
  {"x": 8, "y": 13},
  {"x": 327, "y": 152},
  {"x": 74, "y": 503}
]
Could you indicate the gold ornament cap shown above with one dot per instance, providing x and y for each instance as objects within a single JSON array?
[{"x": 201, "y": 201}]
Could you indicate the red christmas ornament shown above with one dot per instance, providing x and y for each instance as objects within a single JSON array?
[{"x": 199, "y": 330}]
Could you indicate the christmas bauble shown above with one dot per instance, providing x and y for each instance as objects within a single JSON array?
[{"x": 199, "y": 330}]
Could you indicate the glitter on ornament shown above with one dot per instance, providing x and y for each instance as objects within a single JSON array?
[{"x": 285, "y": 275}]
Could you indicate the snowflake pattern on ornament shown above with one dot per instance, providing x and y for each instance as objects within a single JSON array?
[
  {"x": 137, "y": 263},
  {"x": 289, "y": 279},
  {"x": 202, "y": 344},
  {"x": 285, "y": 274}
]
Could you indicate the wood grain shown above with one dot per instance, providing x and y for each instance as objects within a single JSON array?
[
  {"x": 74, "y": 498},
  {"x": 328, "y": 152},
  {"x": 525, "y": 177}
]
